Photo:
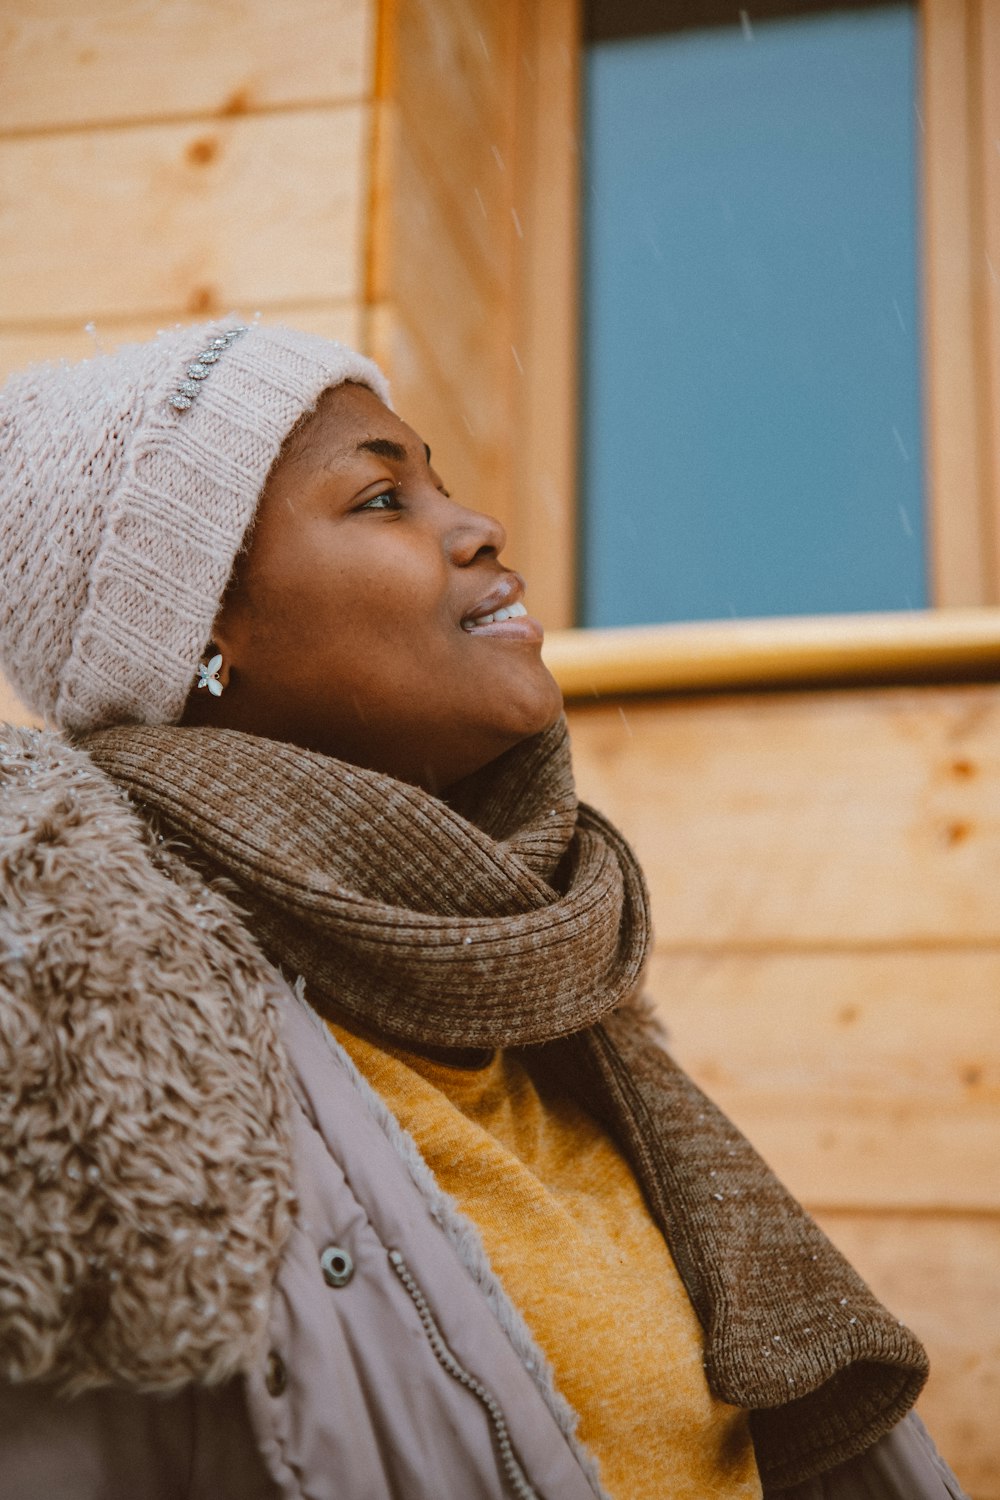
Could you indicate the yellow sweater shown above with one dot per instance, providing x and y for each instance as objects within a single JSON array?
[{"x": 569, "y": 1235}]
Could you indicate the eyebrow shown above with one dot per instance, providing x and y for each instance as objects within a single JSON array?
[{"x": 386, "y": 448}]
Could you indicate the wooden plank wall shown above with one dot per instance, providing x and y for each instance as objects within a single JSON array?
[
  {"x": 443, "y": 232},
  {"x": 472, "y": 274},
  {"x": 164, "y": 162},
  {"x": 824, "y": 875}
]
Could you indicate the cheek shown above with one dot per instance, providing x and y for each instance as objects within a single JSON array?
[
  {"x": 349, "y": 631},
  {"x": 372, "y": 621},
  {"x": 308, "y": 599},
  {"x": 358, "y": 584}
]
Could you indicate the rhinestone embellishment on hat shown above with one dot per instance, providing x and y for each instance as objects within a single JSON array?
[{"x": 201, "y": 367}]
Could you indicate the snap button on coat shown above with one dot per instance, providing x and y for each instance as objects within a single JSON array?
[
  {"x": 275, "y": 1374},
  {"x": 337, "y": 1266}
]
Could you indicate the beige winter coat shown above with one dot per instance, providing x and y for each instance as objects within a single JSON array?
[{"x": 224, "y": 1270}]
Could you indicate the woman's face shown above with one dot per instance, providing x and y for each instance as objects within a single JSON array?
[{"x": 356, "y": 623}]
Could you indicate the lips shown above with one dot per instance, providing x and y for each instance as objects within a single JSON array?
[
  {"x": 502, "y": 613},
  {"x": 514, "y": 611}
]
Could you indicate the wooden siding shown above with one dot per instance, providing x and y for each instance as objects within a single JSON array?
[
  {"x": 442, "y": 234},
  {"x": 65, "y": 65},
  {"x": 472, "y": 271},
  {"x": 168, "y": 162},
  {"x": 823, "y": 870},
  {"x": 261, "y": 210}
]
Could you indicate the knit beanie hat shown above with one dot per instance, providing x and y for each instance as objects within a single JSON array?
[{"x": 127, "y": 484}]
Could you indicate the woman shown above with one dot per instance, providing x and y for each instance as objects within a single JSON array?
[{"x": 338, "y": 1156}]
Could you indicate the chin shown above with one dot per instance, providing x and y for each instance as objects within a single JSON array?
[
  {"x": 551, "y": 700},
  {"x": 533, "y": 711}
]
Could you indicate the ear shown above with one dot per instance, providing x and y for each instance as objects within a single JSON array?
[
  {"x": 232, "y": 630},
  {"x": 207, "y": 707},
  {"x": 218, "y": 648},
  {"x": 225, "y": 641}
]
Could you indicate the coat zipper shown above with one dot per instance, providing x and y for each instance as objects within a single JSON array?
[{"x": 515, "y": 1475}]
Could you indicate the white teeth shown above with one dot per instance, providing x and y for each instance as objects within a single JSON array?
[{"x": 510, "y": 612}]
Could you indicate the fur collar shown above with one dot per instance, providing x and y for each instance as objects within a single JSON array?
[{"x": 145, "y": 1159}]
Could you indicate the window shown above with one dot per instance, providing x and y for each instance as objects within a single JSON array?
[{"x": 751, "y": 408}]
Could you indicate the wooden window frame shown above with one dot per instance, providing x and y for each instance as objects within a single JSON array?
[
  {"x": 959, "y": 119},
  {"x": 960, "y": 45}
]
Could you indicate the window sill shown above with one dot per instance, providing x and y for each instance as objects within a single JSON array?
[{"x": 801, "y": 651}]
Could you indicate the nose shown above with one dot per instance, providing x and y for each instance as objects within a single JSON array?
[{"x": 471, "y": 535}]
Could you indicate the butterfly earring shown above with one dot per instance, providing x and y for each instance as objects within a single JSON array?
[{"x": 208, "y": 675}]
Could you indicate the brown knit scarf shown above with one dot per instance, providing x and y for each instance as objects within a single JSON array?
[{"x": 512, "y": 915}]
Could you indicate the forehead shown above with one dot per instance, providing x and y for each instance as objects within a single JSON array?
[{"x": 349, "y": 419}]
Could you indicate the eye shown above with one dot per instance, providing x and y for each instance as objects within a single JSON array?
[{"x": 387, "y": 500}]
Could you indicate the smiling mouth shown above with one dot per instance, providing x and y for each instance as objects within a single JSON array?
[
  {"x": 511, "y": 622},
  {"x": 502, "y": 614},
  {"x": 509, "y": 612}
]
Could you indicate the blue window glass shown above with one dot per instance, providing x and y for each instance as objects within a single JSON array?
[{"x": 751, "y": 425}]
